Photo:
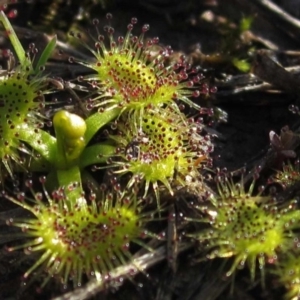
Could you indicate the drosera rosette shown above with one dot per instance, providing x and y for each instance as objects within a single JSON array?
[
  {"x": 22, "y": 91},
  {"x": 82, "y": 239},
  {"x": 167, "y": 150},
  {"x": 250, "y": 228},
  {"x": 132, "y": 74}
]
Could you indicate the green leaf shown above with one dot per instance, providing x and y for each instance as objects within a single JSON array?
[
  {"x": 241, "y": 64},
  {"x": 46, "y": 53},
  {"x": 96, "y": 154},
  {"x": 25, "y": 62},
  {"x": 39, "y": 140},
  {"x": 98, "y": 120},
  {"x": 246, "y": 23}
]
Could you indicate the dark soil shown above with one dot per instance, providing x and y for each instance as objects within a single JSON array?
[{"x": 195, "y": 28}]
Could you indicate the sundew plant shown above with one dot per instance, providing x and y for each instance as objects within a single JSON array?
[
  {"x": 120, "y": 177},
  {"x": 80, "y": 228}
]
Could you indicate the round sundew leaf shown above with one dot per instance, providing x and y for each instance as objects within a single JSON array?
[
  {"x": 77, "y": 235},
  {"x": 163, "y": 150},
  {"x": 90, "y": 238},
  {"x": 250, "y": 228},
  {"x": 135, "y": 74},
  {"x": 20, "y": 103}
]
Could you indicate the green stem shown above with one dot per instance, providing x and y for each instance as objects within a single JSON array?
[
  {"x": 70, "y": 180},
  {"x": 69, "y": 129},
  {"x": 51, "y": 181},
  {"x": 37, "y": 164},
  {"x": 92, "y": 183},
  {"x": 61, "y": 162}
]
